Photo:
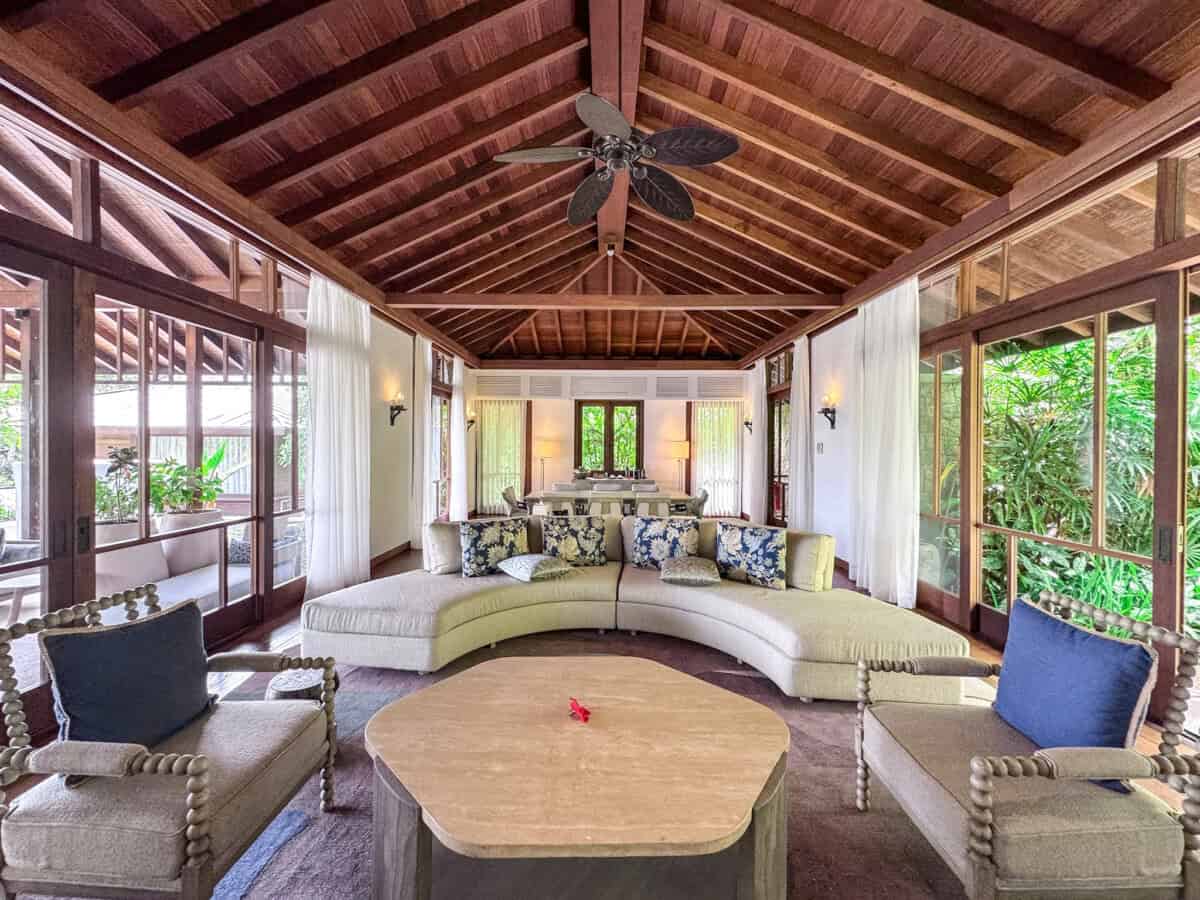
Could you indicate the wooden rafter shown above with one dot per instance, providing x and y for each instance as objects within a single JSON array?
[
  {"x": 520, "y": 243},
  {"x": 689, "y": 281},
  {"x": 527, "y": 261},
  {"x": 841, "y": 120},
  {"x": 545, "y": 277},
  {"x": 525, "y": 300},
  {"x": 750, "y": 278},
  {"x": 693, "y": 263},
  {"x": 796, "y": 151},
  {"x": 409, "y": 115},
  {"x": 562, "y": 256},
  {"x": 701, "y": 278},
  {"x": 643, "y": 280}
]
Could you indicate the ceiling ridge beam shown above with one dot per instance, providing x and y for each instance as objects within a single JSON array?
[
  {"x": 463, "y": 142},
  {"x": 901, "y": 78},
  {"x": 460, "y": 181},
  {"x": 298, "y": 166},
  {"x": 514, "y": 190},
  {"x": 475, "y": 265},
  {"x": 338, "y": 82},
  {"x": 797, "y": 151},
  {"x": 533, "y": 300},
  {"x": 209, "y": 51},
  {"x": 839, "y": 119}
]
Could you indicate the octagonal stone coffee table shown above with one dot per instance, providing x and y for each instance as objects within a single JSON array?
[{"x": 491, "y": 762}]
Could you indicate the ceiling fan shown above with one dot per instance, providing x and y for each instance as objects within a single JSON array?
[{"x": 620, "y": 147}]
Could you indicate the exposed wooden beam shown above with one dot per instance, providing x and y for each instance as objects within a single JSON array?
[
  {"x": 670, "y": 262},
  {"x": 210, "y": 51},
  {"x": 521, "y": 262},
  {"x": 85, "y": 200},
  {"x": 516, "y": 189},
  {"x": 547, "y": 276},
  {"x": 423, "y": 201},
  {"x": 642, "y": 279},
  {"x": 298, "y": 166},
  {"x": 615, "y": 301},
  {"x": 485, "y": 325},
  {"x": 1046, "y": 50},
  {"x": 469, "y": 139},
  {"x": 724, "y": 265},
  {"x": 839, "y": 119},
  {"x": 585, "y": 361},
  {"x": 693, "y": 262},
  {"x": 561, "y": 256},
  {"x": 679, "y": 280},
  {"x": 895, "y": 75},
  {"x": 796, "y": 151},
  {"x": 410, "y": 48}
]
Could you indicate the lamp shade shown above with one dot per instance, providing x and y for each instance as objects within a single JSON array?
[
  {"x": 681, "y": 449},
  {"x": 543, "y": 448}
]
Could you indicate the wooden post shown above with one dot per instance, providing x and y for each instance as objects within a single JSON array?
[
  {"x": 1170, "y": 207},
  {"x": 970, "y": 504},
  {"x": 85, "y": 200},
  {"x": 82, "y": 376},
  {"x": 403, "y": 843},
  {"x": 32, "y": 440},
  {"x": 263, "y": 468},
  {"x": 193, "y": 368}
]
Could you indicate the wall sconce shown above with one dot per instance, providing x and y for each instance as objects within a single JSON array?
[
  {"x": 749, "y": 423},
  {"x": 470, "y": 419},
  {"x": 829, "y": 411},
  {"x": 397, "y": 407}
]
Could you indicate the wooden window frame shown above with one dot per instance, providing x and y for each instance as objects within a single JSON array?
[{"x": 609, "y": 405}]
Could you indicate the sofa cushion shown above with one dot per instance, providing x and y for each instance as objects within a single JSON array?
[
  {"x": 138, "y": 682},
  {"x": 259, "y": 752},
  {"x": 613, "y": 551},
  {"x": 534, "y": 567},
  {"x": 190, "y": 551},
  {"x": 656, "y": 539},
  {"x": 422, "y": 605},
  {"x": 443, "y": 548},
  {"x": 753, "y": 554},
  {"x": 809, "y": 560},
  {"x": 119, "y": 570},
  {"x": 1044, "y": 830},
  {"x": 487, "y": 542},
  {"x": 577, "y": 540},
  {"x": 691, "y": 571},
  {"x": 836, "y": 626}
]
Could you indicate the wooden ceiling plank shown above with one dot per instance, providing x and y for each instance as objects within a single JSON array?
[
  {"x": 685, "y": 249},
  {"x": 528, "y": 320},
  {"x": 521, "y": 284},
  {"x": 488, "y": 325},
  {"x": 1046, "y": 50},
  {"x": 449, "y": 220},
  {"x": 532, "y": 300},
  {"x": 696, "y": 274},
  {"x": 210, "y": 51},
  {"x": 522, "y": 261},
  {"x": 475, "y": 266},
  {"x": 553, "y": 281},
  {"x": 299, "y": 166},
  {"x": 650, "y": 267},
  {"x": 899, "y": 77},
  {"x": 839, "y": 119},
  {"x": 469, "y": 139},
  {"x": 796, "y": 151},
  {"x": 535, "y": 267},
  {"x": 642, "y": 279},
  {"x": 426, "y": 200},
  {"x": 464, "y": 239},
  {"x": 415, "y": 46},
  {"x": 743, "y": 335},
  {"x": 690, "y": 262}
]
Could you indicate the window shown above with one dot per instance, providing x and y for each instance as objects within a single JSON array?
[
  {"x": 779, "y": 414},
  {"x": 938, "y": 300},
  {"x": 501, "y": 437},
  {"x": 717, "y": 454},
  {"x": 779, "y": 370},
  {"x": 939, "y": 423},
  {"x": 289, "y": 425},
  {"x": 439, "y": 447},
  {"x": 608, "y": 435}
]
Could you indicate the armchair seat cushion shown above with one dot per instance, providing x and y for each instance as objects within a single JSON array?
[
  {"x": 132, "y": 828},
  {"x": 1044, "y": 829}
]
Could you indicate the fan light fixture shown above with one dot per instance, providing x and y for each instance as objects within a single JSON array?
[{"x": 622, "y": 148}]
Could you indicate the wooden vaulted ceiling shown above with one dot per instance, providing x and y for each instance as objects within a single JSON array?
[{"x": 369, "y": 126}]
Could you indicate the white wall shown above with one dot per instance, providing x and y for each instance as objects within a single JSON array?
[
  {"x": 391, "y": 447},
  {"x": 834, "y": 450}
]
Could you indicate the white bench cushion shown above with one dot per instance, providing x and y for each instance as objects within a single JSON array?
[
  {"x": 1044, "y": 830},
  {"x": 835, "y": 626},
  {"x": 133, "y": 828},
  {"x": 423, "y": 605}
]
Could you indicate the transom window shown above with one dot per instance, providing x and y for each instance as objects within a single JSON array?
[{"x": 608, "y": 435}]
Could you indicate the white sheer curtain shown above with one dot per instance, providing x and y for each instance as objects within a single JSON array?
[
  {"x": 754, "y": 478},
  {"x": 460, "y": 509},
  {"x": 423, "y": 498},
  {"x": 338, "y": 486},
  {"x": 800, "y": 448},
  {"x": 717, "y": 454},
  {"x": 501, "y": 437},
  {"x": 885, "y": 523}
]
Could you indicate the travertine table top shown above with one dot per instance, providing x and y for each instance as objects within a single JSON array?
[{"x": 668, "y": 765}]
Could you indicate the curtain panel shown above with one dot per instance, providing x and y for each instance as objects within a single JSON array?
[
  {"x": 800, "y": 445},
  {"x": 501, "y": 437},
  {"x": 885, "y": 522},
  {"x": 460, "y": 508},
  {"x": 424, "y": 499},
  {"x": 717, "y": 454},
  {"x": 338, "y": 498}
]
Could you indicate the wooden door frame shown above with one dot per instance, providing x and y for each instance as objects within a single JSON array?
[{"x": 609, "y": 405}]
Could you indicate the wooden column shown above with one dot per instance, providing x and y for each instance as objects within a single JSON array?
[
  {"x": 1170, "y": 208},
  {"x": 85, "y": 200},
  {"x": 29, "y": 322},
  {"x": 192, "y": 368},
  {"x": 970, "y": 504},
  {"x": 263, "y": 471}
]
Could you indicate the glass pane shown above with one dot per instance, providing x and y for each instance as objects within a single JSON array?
[
  {"x": 293, "y": 299},
  {"x": 252, "y": 290},
  {"x": 781, "y": 409},
  {"x": 925, "y": 426},
  {"x": 225, "y": 478},
  {"x": 291, "y": 551},
  {"x": 1037, "y": 432},
  {"x": 939, "y": 301},
  {"x": 301, "y": 363},
  {"x": 23, "y": 595},
  {"x": 987, "y": 280},
  {"x": 939, "y": 555},
  {"x": 21, "y": 416},
  {"x": 951, "y": 430},
  {"x": 591, "y": 437},
  {"x": 994, "y": 570},
  {"x": 282, "y": 397},
  {"x": 239, "y": 556},
  {"x": 1191, "y": 485},
  {"x": 625, "y": 438},
  {"x": 1116, "y": 584},
  {"x": 116, "y": 413},
  {"x": 1129, "y": 431},
  {"x": 167, "y": 420}
]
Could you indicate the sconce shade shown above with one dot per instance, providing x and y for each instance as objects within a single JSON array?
[
  {"x": 544, "y": 448},
  {"x": 681, "y": 450}
]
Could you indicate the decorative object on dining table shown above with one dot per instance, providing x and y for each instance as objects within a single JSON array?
[{"x": 579, "y": 711}]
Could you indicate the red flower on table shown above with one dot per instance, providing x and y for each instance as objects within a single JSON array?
[{"x": 580, "y": 712}]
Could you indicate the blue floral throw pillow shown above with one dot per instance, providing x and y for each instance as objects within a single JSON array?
[
  {"x": 752, "y": 554},
  {"x": 657, "y": 539},
  {"x": 578, "y": 540},
  {"x": 485, "y": 544}
]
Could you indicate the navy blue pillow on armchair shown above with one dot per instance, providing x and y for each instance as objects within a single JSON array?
[{"x": 138, "y": 682}]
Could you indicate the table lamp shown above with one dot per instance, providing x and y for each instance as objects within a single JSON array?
[
  {"x": 681, "y": 450},
  {"x": 544, "y": 449}
]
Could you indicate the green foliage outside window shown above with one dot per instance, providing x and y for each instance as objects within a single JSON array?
[
  {"x": 624, "y": 438},
  {"x": 591, "y": 434}
]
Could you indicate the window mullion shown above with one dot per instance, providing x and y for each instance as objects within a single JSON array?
[{"x": 1099, "y": 416}]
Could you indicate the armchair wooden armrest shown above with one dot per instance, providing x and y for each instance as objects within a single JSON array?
[
  {"x": 261, "y": 661},
  {"x": 952, "y": 666}
]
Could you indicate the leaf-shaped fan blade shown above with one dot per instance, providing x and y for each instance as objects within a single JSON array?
[
  {"x": 601, "y": 116},
  {"x": 661, "y": 190},
  {"x": 691, "y": 146},
  {"x": 589, "y": 197},
  {"x": 543, "y": 155}
]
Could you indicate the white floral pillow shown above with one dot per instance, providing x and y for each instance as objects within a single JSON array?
[
  {"x": 486, "y": 543},
  {"x": 578, "y": 540},
  {"x": 534, "y": 567},
  {"x": 657, "y": 539}
]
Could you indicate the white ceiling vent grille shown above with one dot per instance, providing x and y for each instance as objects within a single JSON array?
[
  {"x": 719, "y": 387},
  {"x": 545, "y": 386},
  {"x": 603, "y": 386},
  {"x": 498, "y": 385},
  {"x": 671, "y": 387}
]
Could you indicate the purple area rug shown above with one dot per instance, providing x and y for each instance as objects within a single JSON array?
[{"x": 834, "y": 851}]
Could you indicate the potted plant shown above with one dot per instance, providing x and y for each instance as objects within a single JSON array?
[
  {"x": 176, "y": 488},
  {"x": 116, "y": 492}
]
